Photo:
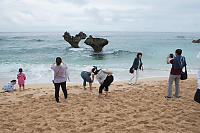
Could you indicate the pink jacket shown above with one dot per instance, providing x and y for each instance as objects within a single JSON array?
[{"x": 21, "y": 77}]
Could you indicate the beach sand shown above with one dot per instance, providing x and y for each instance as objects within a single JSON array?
[{"x": 129, "y": 108}]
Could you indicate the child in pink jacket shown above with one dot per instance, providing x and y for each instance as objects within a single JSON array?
[{"x": 21, "y": 77}]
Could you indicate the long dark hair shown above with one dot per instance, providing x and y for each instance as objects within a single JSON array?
[{"x": 58, "y": 61}]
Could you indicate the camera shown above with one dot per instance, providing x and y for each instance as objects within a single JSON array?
[{"x": 171, "y": 56}]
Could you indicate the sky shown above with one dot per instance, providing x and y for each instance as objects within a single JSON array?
[{"x": 100, "y": 15}]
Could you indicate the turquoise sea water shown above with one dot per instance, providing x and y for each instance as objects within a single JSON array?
[{"x": 35, "y": 52}]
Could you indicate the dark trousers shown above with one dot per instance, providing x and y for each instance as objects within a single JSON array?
[
  {"x": 57, "y": 89},
  {"x": 109, "y": 79},
  {"x": 197, "y": 96}
]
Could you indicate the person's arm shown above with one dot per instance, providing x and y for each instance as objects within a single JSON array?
[
  {"x": 63, "y": 63},
  {"x": 168, "y": 61},
  {"x": 24, "y": 77},
  {"x": 53, "y": 65},
  {"x": 142, "y": 68},
  {"x": 92, "y": 77},
  {"x": 107, "y": 72}
]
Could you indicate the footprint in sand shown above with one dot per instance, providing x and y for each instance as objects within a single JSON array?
[
  {"x": 167, "y": 122},
  {"x": 28, "y": 95},
  {"x": 119, "y": 85},
  {"x": 89, "y": 129},
  {"x": 143, "y": 122}
]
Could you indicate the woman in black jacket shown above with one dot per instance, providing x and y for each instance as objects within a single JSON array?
[{"x": 137, "y": 65}]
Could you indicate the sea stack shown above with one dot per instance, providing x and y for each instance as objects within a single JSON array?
[
  {"x": 196, "y": 41},
  {"x": 74, "y": 41},
  {"x": 96, "y": 43}
]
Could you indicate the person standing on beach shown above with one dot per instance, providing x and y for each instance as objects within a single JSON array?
[
  {"x": 178, "y": 62},
  {"x": 137, "y": 65},
  {"x": 10, "y": 86},
  {"x": 197, "y": 94},
  {"x": 86, "y": 76},
  {"x": 21, "y": 78},
  {"x": 59, "y": 68},
  {"x": 105, "y": 78}
]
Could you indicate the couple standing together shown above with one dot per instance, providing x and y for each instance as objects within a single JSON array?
[{"x": 105, "y": 78}]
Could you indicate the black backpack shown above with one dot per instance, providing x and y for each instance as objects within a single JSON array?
[
  {"x": 183, "y": 64},
  {"x": 184, "y": 74}
]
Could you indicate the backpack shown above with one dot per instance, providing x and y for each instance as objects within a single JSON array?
[{"x": 182, "y": 62}]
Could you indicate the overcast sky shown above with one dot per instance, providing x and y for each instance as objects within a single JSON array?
[{"x": 100, "y": 15}]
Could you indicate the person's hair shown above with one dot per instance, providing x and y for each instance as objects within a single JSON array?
[
  {"x": 138, "y": 54},
  {"x": 96, "y": 72},
  {"x": 13, "y": 81},
  {"x": 20, "y": 70},
  {"x": 94, "y": 69},
  {"x": 58, "y": 61},
  {"x": 178, "y": 51}
]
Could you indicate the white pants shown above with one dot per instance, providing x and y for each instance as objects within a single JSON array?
[
  {"x": 136, "y": 75},
  {"x": 198, "y": 77}
]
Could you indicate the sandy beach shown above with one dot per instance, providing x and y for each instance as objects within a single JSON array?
[{"x": 129, "y": 108}]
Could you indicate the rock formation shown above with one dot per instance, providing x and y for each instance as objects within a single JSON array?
[
  {"x": 96, "y": 43},
  {"x": 196, "y": 41},
  {"x": 74, "y": 41}
]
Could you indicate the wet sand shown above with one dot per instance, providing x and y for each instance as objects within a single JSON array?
[{"x": 129, "y": 108}]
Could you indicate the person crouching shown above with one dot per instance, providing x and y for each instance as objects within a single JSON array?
[
  {"x": 10, "y": 86},
  {"x": 105, "y": 78}
]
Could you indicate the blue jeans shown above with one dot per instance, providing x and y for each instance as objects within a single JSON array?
[
  {"x": 175, "y": 78},
  {"x": 86, "y": 78}
]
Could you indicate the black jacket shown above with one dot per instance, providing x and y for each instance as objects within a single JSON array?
[{"x": 135, "y": 64}]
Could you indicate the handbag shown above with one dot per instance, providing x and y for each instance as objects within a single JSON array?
[
  {"x": 131, "y": 70},
  {"x": 184, "y": 74}
]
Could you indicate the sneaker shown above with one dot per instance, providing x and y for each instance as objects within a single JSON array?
[
  {"x": 177, "y": 96},
  {"x": 167, "y": 97},
  {"x": 129, "y": 83}
]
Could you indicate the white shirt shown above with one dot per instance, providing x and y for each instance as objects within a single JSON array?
[
  {"x": 101, "y": 76},
  {"x": 139, "y": 64}
]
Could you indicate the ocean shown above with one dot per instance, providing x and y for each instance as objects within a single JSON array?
[{"x": 35, "y": 52}]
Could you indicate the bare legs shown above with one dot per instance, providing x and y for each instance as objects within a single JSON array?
[{"x": 21, "y": 86}]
